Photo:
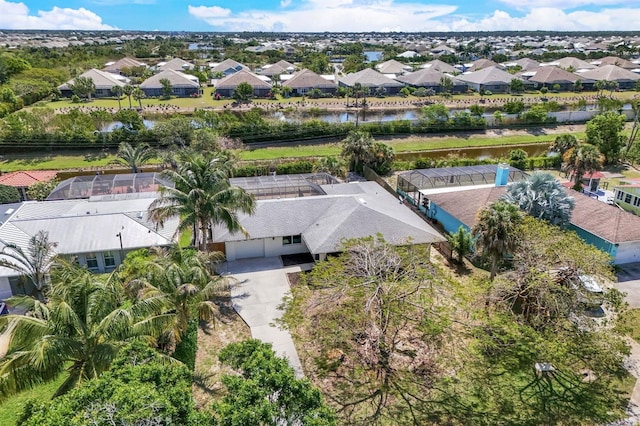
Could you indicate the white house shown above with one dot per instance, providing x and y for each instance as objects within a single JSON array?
[{"x": 319, "y": 224}]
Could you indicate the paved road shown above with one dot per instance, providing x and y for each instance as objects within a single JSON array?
[
  {"x": 257, "y": 297},
  {"x": 629, "y": 282}
]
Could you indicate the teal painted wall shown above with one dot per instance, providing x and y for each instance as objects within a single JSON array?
[{"x": 594, "y": 240}]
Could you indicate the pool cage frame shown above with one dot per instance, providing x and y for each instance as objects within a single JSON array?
[{"x": 284, "y": 186}]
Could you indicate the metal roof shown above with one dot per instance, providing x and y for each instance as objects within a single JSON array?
[
  {"x": 284, "y": 186},
  {"x": 456, "y": 176}
]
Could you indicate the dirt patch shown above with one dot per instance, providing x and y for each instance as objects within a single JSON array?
[{"x": 212, "y": 337}]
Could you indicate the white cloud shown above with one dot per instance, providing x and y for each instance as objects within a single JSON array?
[
  {"x": 16, "y": 16},
  {"x": 327, "y": 15},
  {"x": 285, "y": 3},
  {"x": 386, "y": 15},
  {"x": 209, "y": 12},
  {"x": 565, "y": 4},
  {"x": 552, "y": 19}
]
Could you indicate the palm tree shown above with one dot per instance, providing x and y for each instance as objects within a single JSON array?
[
  {"x": 35, "y": 263},
  {"x": 83, "y": 86},
  {"x": 117, "y": 92},
  {"x": 495, "y": 232},
  {"x": 134, "y": 156},
  {"x": 335, "y": 166},
  {"x": 185, "y": 280},
  {"x": 563, "y": 143},
  {"x": 543, "y": 197},
  {"x": 583, "y": 159},
  {"x": 357, "y": 148},
  {"x": 77, "y": 332},
  {"x": 138, "y": 94},
  {"x": 128, "y": 91},
  {"x": 461, "y": 242},
  {"x": 202, "y": 196}
]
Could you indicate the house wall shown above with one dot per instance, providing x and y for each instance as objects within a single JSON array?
[
  {"x": 178, "y": 91},
  {"x": 628, "y": 252},
  {"x": 600, "y": 243},
  {"x": 448, "y": 221},
  {"x": 101, "y": 259},
  {"x": 628, "y": 199},
  {"x": 263, "y": 247}
]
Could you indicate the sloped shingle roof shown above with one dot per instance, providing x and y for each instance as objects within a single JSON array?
[
  {"x": 438, "y": 65},
  {"x": 488, "y": 76},
  {"x": 369, "y": 78},
  {"x": 307, "y": 78},
  {"x": 177, "y": 79},
  {"x": 101, "y": 79},
  {"x": 26, "y": 179},
  {"x": 391, "y": 67},
  {"x": 229, "y": 63},
  {"x": 176, "y": 64},
  {"x": 611, "y": 73},
  {"x": 554, "y": 75},
  {"x": 233, "y": 80}
]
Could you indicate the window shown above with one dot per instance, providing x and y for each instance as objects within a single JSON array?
[
  {"x": 627, "y": 198},
  {"x": 109, "y": 260},
  {"x": 92, "y": 261},
  {"x": 636, "y": 201},
  {"x": 292, "y": 239},
  {"x": 619, "y": 195}
]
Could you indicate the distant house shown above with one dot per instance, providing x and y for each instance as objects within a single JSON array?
[
  {"x": 572, "y": 63},
  {"x": 550, "y": 76},
  {"x": 430, "y": 79},
  {"x": 227, "y": 85},
  {"x": 525, "y": 64},
  {"x": 279, "y": 68},
  {"x": 182, "y": 85},
  {"x": 305, "y": 80},
  {"x": 625, "y": 78},
  {"x": 482, "y": 64},
  {"x": 23, "y": 180},
  {"x": 614, "y": 60},
  {"x": 438, "y": 65},
  {"x": 493, "y": 79},
  {"x": 176, "y": 64},
  {"x": 124, "y": 63},
  {"x": 393, "y": 67},
  {"x": 373, "y": 80},
  {"x": 103, "y": 81},
  {"x": 228, "y": 67}
]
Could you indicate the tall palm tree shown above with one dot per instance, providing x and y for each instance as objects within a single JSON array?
[
  {"x": 335, "y": 166},
  {"x": 138, "y": 94},
  {"x": 583, "y": 159},
  {"x": 357, "y": 148},
  {"x": 134, "y": 156},
  {"x": 543, "y": 197},
  {"x": 117, "y": 92},
  {"x": 35, "y": 263},
  {"x": 128, "y": 91},
  {"x": 495, "y": 232},
  {"x": 202, "y": 196},
  {"x": 77, "y": 332},
  {"x": 184, "y": 278}
]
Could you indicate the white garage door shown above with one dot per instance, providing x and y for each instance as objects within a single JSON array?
[
  {"x": 249, "y": 248},
  {"x": 628, "y": 253}
]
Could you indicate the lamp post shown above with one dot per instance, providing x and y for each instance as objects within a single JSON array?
[{"x": 119, "y": 235}]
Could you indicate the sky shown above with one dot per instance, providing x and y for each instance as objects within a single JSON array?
[{"x": 322, "y": 15}]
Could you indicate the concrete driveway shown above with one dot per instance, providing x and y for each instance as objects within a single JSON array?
[
  {"x": 629, "y": 282},
  {"x": 262, "y": 286}
]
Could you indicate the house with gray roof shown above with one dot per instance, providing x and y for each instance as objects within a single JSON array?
[
  {"x": 393, "y": 67},
  {"x": 103, "y": 81},
  {"x": 493, "y": 79},
  {"x": 570, "y": 62},
  {"x": 614, "y": 60},
  {"x": 176, "y": 64},
  {"x": 182, "y": 85},
  {"x": 305, "y": 80},
  {"x": 124, "y": 63},
  {"x": 430, "y": 79},
  {"x": 550, "y": 76},
  {"x": 97, "y": 232},
  {"x": 227, "y": 85},
  {"x": 625, "y": 78},
  {"x": 228, "y": 67},
  {"x": 320, "y": 224},
  {"x": 373, "y": 80},
  {"x": 438, "y": 65},
  {"x": 525, "y": 64}
]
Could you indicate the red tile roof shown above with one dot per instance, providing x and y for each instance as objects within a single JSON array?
[{"x": 26, "y": 179}]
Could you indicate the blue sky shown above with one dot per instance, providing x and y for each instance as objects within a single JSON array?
[{"x": 322, "y": 15}]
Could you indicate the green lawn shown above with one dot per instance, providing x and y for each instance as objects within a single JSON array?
[
  {"x": 12, "y": 407},
  {"x": 629, "y": 323}
]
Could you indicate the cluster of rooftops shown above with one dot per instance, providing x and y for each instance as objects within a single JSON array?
[{"x": 388, "y": 77}]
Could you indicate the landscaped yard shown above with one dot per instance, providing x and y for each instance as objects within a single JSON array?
[{"x": 11, "y": 409}]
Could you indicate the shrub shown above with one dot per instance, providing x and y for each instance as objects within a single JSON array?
[
  {"x": 186, "y": 350},
  {"x": 9, "y": 194}
]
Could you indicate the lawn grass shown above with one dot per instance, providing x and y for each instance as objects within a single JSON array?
[
  {"x": 629, "y": 323},
  {"x": 12, "y": 407}
]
